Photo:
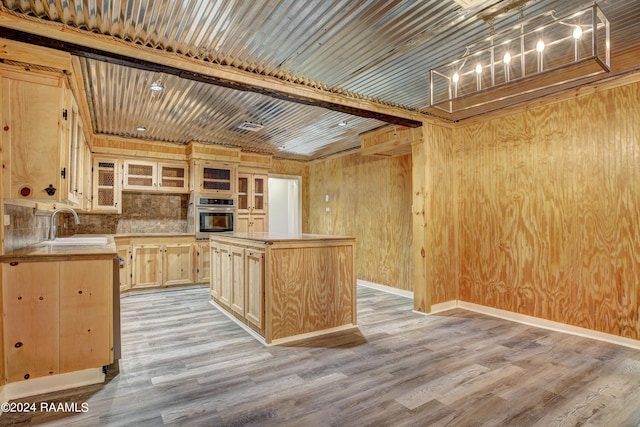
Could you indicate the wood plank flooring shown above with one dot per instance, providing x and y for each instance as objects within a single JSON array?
[{"x": 185, "y": 363}]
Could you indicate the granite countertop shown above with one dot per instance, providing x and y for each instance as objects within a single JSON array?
[
  {"x": 161, "y": 234},
  {"x": 51, "y": 252}
]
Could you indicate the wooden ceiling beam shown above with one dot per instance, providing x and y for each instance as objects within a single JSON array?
[{"x": 104, "y": 48}]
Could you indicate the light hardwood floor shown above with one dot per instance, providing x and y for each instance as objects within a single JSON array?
[{"x": 185, "y": 363}]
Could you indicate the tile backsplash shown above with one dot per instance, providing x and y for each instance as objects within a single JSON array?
[
  {"x": 141, "y": 213},
  {"x": 26, "y": 228}
]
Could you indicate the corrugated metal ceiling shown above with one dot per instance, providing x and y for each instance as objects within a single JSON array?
[{"x": 379, "y": 50}]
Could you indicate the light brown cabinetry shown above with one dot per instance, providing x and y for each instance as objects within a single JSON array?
[
  {"x": 252, "y": 202},
  {"x": 294, "y": 287},
  {"x": 32, "y": 144},
  {"x": 86, "y": 289},
  {"x": 31, "y": 304},
  {"x": 107, "y": 185},
  {"x": 57, "y": 317},
  {"x": 159, "y": 262},
  {"x": 155, "y": 176},
  {"x": 236, "y": 259},
  {"x": 177, "y": 264},
  {"x": 76, "y": 154},
  {"x": 211, "y": 177},
  {"x": 254, "y": 305},
  {"x": 202, "y": 262},
  {"x": 237, "y": 281},
  {"x": 146, "y": 266},
  {"x": 124, "y": 252}
]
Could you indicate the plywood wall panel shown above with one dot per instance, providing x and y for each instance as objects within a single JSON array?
[
  {"x": 440, "y": 202},
  {"x": 549, "y": 201},
  {"x": 370, "y": 199}
]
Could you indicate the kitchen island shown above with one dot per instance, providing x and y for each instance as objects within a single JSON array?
[{"x": 285, "y": 287}]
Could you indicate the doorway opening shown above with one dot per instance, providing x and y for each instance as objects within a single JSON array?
[{"x": 285, "y": 204}]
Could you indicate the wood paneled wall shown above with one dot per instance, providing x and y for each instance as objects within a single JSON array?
[
  {"x": 440, "y": 211},
  {"x": 369, "y": 199},
  {"x": 549, "y": 212}
]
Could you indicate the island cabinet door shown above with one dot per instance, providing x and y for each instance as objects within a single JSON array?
[
  {"x": 215, "y": 280},
  {"x": 237, "y": 279},
  {"x": 254, "y": 301},
  {"x": 31, "y": 312},
  {"x": 225, "y": 275}
]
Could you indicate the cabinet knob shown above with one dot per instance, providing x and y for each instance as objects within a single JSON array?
[{"x": 18, "y": 344}]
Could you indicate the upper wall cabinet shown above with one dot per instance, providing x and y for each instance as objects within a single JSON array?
[
  {"x": 211, "y": 177},
  {"x": 143, "y": 175},
  {"x": 33, "y": 144},
  {"x": 107, "y": 189},
  {"x": 76, "y": 155},
  {"x": 44, "y": 139}
]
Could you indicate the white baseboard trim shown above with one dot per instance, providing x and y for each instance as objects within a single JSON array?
[
  {"x": 52, "y": 383},
  {"x": 385, "y": 288},
  {"x": 534, "y": 321}
]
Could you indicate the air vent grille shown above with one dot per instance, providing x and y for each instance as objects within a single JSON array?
[
  {"x": 251, "y": 127},
  {"x": 468, "y": 4}
]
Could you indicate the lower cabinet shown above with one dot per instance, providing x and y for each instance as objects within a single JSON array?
[
  {"x": 124, "y": 252},
  {"x": 146, "y": 266},
  {"x": 160, "y": 262},
  {"x": 202, "y": 262},
  {"x": 57, "y": 317},
  {"x": 237, "y": 281},
  {"x": 254, "y": 291},
  {"x": 177, "y": 264}
]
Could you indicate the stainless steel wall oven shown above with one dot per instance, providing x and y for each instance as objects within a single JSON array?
[{"x": 214, "y": 215}]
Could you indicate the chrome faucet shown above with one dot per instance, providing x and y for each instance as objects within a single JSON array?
[{"x": 52, "y": 227}]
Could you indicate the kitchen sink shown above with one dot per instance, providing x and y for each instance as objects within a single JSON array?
[{"x": 78, "y": 240}]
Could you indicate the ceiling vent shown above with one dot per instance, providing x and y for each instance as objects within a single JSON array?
[
  {"x": 468, "y": 4},
  {"x": 251, "y": 127}
]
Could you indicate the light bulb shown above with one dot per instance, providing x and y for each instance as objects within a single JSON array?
[
  {"x": 577, "y": 33},
  {"x": 540, "y": 46},
  {"x": 455, "y": 77},
  {"x": 507, "y": 58},
  {"x": 479, "y": 68}
]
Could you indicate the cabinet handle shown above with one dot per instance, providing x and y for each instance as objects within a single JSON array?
[{"x": 63, "y": 173}]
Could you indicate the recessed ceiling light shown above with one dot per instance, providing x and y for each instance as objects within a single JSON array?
[
  {"x": 156, "y": 87},
  {"x": 141, "y": 128},
  {"x": 281, "y": 148},
  {"x": 342, "y": 123}
]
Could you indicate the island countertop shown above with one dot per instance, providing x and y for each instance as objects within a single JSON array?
[{"x": 272, "y": 237}]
